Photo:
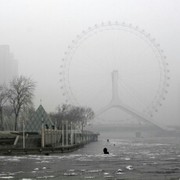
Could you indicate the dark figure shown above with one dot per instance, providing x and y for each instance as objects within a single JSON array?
[
  {"x": 107, "y": 140},
  {"x": 47, "y": 127},
  {"x": 105, "y": 151}
]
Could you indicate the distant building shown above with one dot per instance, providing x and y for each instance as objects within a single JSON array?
[{"x": 8, "y": 65}]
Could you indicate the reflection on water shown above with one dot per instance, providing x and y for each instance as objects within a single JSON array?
[{"x": 128, "y": 159}]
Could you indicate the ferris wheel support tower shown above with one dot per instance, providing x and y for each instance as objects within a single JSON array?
[{"x": 117, "y": 103}]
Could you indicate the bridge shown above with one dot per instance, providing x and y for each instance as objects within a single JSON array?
[{"x": 117, "y": 103}]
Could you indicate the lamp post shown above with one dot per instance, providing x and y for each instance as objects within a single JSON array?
[
  {"x": 42, "y": 133},
  {"x": 24, "y": 143}
]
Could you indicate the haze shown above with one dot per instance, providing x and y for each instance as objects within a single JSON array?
[{"x": 40, "y": 31}]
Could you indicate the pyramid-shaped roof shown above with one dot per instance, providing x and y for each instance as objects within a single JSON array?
[{"x": 38, "y": 118}]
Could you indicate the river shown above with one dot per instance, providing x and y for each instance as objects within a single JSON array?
[{"x": 129, "y": 158}]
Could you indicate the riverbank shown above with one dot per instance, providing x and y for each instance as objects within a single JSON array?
[
  {"x": 15, "y": 143},
  {"x": 40, "y": 151}
]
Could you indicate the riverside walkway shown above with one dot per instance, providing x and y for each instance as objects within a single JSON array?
[{"x": 48, "y": 142}]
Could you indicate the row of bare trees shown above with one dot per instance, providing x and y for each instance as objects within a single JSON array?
[
  {"x": 17, "y": 96},
  {"x": 75, "y": 114}
]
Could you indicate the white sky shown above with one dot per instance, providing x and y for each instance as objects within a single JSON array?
[{"x": 39, "y": 32}]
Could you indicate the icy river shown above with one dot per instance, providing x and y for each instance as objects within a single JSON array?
[{"x": 146, "y": 158}]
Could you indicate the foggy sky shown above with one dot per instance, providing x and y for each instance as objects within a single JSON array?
[{"x": 39, "y": 32}]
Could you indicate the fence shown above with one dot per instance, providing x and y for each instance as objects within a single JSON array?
[{"x": 62, "y": 138}]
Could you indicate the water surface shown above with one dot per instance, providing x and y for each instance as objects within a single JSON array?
[{"x": 146, "y": 159}]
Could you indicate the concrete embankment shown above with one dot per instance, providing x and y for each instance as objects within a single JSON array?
[
  {"x": 39, "y": 151},
  {"x": 16, "y": 144}
]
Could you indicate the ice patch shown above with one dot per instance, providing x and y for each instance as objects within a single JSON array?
[
  {"x": 84, "y": 159},
  {"x": 45, "y": 177},
  {"x": 13, "y": 159},
  {"x": 106, "y": 173},
  {"x": 36, "y": 169},
  {"x": 109, "y": 176},
  {"x": 70, "y": 174},
  {"x": 71, "y": 170},
  {"x": 44, "y": 162},
  {"x": 94, "y": 170},
  {"x": 129, "y": 167},
  {"x": 89, "y": 177},
  {"x": 7, "y": 177},
  {"x": 119, "y": 170},
  {"x": 72, "y": 156}
]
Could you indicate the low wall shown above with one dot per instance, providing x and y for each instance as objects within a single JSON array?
[
  {"x": 53, "y": 143},
  {"x": 41, "y": 151}
]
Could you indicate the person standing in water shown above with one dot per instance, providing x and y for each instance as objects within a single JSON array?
[{"x": 105, "y": 151}]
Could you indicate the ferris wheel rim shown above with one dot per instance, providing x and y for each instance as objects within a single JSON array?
[{"x": 109, "y": 26}]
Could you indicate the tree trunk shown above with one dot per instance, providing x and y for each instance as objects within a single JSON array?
[
  {"x": 82, "y": 130},
  {"x": 15, "y": 124},
  {"x": 1, "y": 119}
]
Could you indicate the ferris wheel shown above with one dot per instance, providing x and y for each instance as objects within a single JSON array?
[{"x": 85, "y": 71}]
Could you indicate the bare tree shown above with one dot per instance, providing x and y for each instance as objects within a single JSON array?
[
  {"x": 75, "y": 114},
  {"x": 20, "y": 95},
  {"x": 63, "y": 113},
  {"x": 8, "y": 117},
  {"x": 87, "y": 114},
  {"x": 3, "y": 100}
]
